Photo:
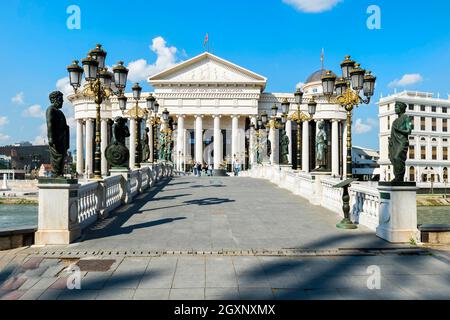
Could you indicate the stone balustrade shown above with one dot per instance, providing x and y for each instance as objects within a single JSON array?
[
  {"x": 79, "y": 205},
  {"x": 365, "y": 199}
]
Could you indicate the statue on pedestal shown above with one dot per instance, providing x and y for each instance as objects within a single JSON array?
[
  {"x": 145, "y": 146},
  {"x": 399, "y": 142},
  {"x": 284, "y": 148},
  {"x": 321, "y": 147},
  {"x": 58, "y": 133},
  {"x": 117, "y": 153},
  {"x": 162, "y": 147}
]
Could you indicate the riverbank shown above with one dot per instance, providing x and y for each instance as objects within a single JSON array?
[
  {"x": 432, "y": 201},
  {"x": 19, "y": 201}
]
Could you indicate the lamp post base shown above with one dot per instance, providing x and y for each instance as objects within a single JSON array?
[{"x": 346, "y": 224}]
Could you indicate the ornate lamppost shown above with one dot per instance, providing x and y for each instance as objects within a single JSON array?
[
  {"x": 136, "y": 113},
  {"x": 100, "y": 85},
  {"x": 300, "y": 117},
  {"x": 166, "y": 134},
  {"x": 155, "y": 121},
  {"x": 345, "y": 91}
]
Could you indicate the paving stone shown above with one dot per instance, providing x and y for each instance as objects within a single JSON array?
[
  {"x": 50, "y": 294},
  {"x": 12, "y": 295},
  {"x": 187, "y": 294},
  {"x": 44, "y": 283},
  {"x": 32, "y": 294},
  {"x": 78, "y": 295},
  {"x": 112, "y": 294},
  {"x": 256, "y": 293},
  {"x": 151, "y": 294},
  {"x": 29, "y": 283},
  {"x": 222, "y": 294},
  {"x": 13, "y": 283}
]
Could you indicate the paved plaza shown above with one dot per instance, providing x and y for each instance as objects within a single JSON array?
[{"x": 224, "y": 238}]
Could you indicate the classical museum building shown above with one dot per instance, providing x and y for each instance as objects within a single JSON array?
[{"x": 214, "y": 103}]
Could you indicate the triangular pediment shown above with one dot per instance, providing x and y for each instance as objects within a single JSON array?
[{"x": 207, "y": 69}]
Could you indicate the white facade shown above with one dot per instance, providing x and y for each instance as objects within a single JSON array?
[
  {"x": 214, "y": 101},
  {"x": 365, "y": 163},
  {"x": 428, "y": 158}
]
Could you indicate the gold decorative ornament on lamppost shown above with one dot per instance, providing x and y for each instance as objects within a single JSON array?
[
  {"x": 345, "y": 91},
  {"x": 154, "y": 122},
  {"x": 100, "y": 86},
  {"x": 298, "y": 116}
]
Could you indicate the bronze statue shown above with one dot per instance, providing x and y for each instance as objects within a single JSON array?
[
  {"x": 399, "y": 142},
  {"x": 284, "y": 148},
  {"x": 162, "y": 147},
  {"x": 145, "y": 146},
  {"x": 58, "y": 133},
  {"x": 117, "y": 153},
  {"x": 321, "y": 147}
]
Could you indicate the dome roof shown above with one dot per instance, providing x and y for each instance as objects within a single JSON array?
[{"x": 316, "y": 76}]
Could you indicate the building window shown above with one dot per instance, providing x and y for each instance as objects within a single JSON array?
[
  {"x": 423, "y": 152},
  {"x": 412, "y": 154},
  {"x": 388, "y": 107},
  {"x": 433, "y": 109},
  {"x": 444, "y": 125},
  {"x": 444, "y": 140},
  {"x": 422, "y": 123},
  {"x": 412, "y": 174},
  {"x": 445, "y": 153},
  {"x": 444, "y": 109},
  {"x": 411, "y": 107},
  {"x": 389, "y": 123},
  {"x": 412, "y": 122},
  {"x": 434, "y": 153},
  {"x": 445, "y": 175},
  {"x": 433, "y": 124},
  {"x": 422, "y": 108}
]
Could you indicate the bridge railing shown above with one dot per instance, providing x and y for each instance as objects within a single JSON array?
[
  {"x": 66, "y": 207},
  {"x": 319, "y": 189}
]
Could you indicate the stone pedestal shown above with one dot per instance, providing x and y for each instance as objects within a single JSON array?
[
  {"x": 398, "y": 212},
  {"x": 5, "y": 182},
  {"x": 125, "y": 186},
  {"x": 58, "y": 212}
]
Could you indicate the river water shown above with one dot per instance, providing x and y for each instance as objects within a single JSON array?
[{"x": 17, "y": 216}]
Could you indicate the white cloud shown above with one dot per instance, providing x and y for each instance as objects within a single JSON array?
[
  {"x": 4, "y": 137},
  {"x": 166, "y": 57},
  {"x": 312, "y": 6},
  {"x": 18, "y": 99},
  {"x": 3, "y": 121},
  {"x": 34, "y": 111},
  {"x": 41, "y": 139},
  {"x": 361, "y": 127},
  {"x": 300, "y": 85},
  {"x": 406, "y": 80}
]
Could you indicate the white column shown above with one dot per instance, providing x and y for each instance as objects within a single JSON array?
[
  {"x": 150, "y": 139},
  {"x": 103, "y": 145},
  {"x": 80, "y": 147},
  {"x": 234, "y": 136},
  {"x": 252, "y": 148},
  {"x": 89, "y": 147},
  {"x": 180, "y": 142},
  {"x": 199, "y": 138},
  {"x": 305, "y": 147},
  {"x": 217, "y": 142},
  {"x": 335, "y": 147},
  {"x": 344, "y": 150},
  {"x": 273, "y": 146},
  {"x": 132, "y": 143},
  {"x": 289, "y": 135}
]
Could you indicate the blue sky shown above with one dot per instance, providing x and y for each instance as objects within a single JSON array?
[{"x": 280, "y": 39}]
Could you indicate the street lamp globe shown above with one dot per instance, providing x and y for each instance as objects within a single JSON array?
[
  {"x": 264, "y": 118},
  {"x": 347, "y": 66},
  {"x": 312, "y": 105},
  {"x": 150, "y": 102},
  {"x": 156, "y": 108},
  {"x": 259, "y": 121},
  {"x": 122, "y": 102},
  {"x": 341, "y": 86},
  {"x": 90, "y": 66},
  {"x": 369, "y": 84},
  {"x": 274, "y": 110},
  {"x": 298, "y": 96},
  {"x": 75, "y": 74},
  {"x": 99, "y": 55},
  {"x": 328, "y": 81},
  {"x": 105, "y": 78},
  {"x": 357, "y": 77},
  {"x": 285, "y": 106},
  {"x": 165, "y": 115},
  {"x": 137, "y": 89},
  {"x": 120, "y": 76}
]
